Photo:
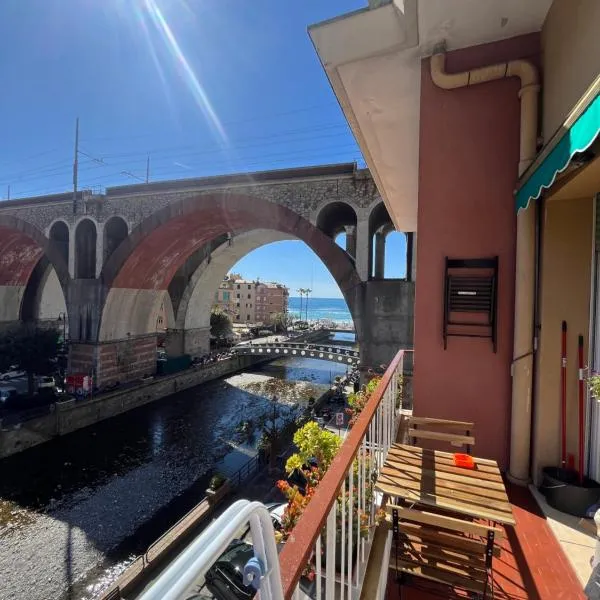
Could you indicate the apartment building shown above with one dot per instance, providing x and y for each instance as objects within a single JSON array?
[{"x": 251, "y": 302}]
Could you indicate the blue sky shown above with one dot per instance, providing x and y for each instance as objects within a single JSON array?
[{"x": 201, "y": 86}]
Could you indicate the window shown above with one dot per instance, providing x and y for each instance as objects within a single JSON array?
[
  {"x": 247, "y": 317},
  {"x": 226, "y": 296},
  {"x": 237, "y": 304},
  {"x": 249, "y": 287},
  {"x": 238, "y": 286},
  {"x": 249, "y": 296},
  {"x": 237, "y": 317},
  {"x": 238, "y": 294}
]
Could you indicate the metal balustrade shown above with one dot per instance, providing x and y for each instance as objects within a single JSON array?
[
  {"x": 321, "y": 537},
  {"x": 339, "y": 354}
]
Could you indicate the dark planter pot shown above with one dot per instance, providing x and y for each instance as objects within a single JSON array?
[{"x": 563, "y": 491}]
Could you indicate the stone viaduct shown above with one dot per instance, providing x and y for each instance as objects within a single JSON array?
[{"x": 111, "y": 263}]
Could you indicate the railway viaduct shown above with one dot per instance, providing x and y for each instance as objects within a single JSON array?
[{"x": 111, "y": 263}]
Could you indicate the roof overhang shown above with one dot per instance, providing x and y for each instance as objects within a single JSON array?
[
  {"x": 372, "y": 58},
  {"x": 579, "y": 131}
]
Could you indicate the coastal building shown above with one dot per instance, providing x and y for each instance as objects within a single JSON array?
[{"x": 251, "y": 302}]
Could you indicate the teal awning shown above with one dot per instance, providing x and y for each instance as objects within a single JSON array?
[{"x": 577, "y": 138}]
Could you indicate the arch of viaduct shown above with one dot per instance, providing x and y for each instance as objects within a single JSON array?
[{"x": 113, "y": 262}]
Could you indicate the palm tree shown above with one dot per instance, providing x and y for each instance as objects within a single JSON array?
[
  {"x": 307, "y": 292},
  {"x": 301, "y": 292}
]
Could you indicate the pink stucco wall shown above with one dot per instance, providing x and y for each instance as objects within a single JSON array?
[{"x": 469, "y": 152}]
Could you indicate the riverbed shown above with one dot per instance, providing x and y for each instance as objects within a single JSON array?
[{"x": 74, "y": 511}]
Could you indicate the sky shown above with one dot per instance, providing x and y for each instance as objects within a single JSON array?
[{"x": 201, "y": 87}]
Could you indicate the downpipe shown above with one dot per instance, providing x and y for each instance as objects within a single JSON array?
[{"x": 524, "y": 346}]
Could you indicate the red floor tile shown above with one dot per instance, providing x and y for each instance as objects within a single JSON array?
[{"x": 532, "y": 565}]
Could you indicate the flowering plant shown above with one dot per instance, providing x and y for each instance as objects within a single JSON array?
[
  {"x": 358, "y": 400},
  {"x": 321, "y": 446}
]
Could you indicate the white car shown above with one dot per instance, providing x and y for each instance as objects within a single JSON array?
[
  {"x": 12, "y": 373},
  {"x": 46, "y": 382}
]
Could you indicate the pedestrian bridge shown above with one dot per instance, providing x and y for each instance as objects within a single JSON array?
[{"x": 338, "y": 354}]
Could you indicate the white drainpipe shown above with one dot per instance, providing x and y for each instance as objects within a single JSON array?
[{"x": 523, "y": 350}]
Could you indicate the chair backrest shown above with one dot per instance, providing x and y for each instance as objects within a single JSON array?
[{"x": 455, "y": 433}]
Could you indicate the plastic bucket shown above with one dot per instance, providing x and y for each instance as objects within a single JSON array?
[{"x": 564, "y": 493}]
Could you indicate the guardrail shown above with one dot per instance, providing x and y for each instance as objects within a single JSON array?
[{"x": 344, "y": 502}]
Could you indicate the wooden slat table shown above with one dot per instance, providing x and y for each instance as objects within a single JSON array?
[{"x": 430, "y": 479}]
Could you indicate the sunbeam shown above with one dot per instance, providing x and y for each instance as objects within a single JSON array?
[{"x": 200, "y": 96}]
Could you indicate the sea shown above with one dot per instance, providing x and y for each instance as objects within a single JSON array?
[{"x": 321, "y": 309}]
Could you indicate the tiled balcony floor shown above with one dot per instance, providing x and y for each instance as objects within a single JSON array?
[{"x": 532, "y": 565}]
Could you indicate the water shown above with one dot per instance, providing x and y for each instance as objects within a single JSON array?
[
  {"x": 74, "y": 511},
  {"x": 329, "y": 309}
]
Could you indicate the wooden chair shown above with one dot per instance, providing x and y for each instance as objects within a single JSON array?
[
  {"x": 437, "y": 551},
  {"x": 455, "y": 433}
]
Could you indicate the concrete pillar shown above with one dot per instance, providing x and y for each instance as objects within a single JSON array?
[
  {"x": 363, "y": 250},
  {"x": 174, "y": 342},
  {"x": 522, "y": 367},
  {"x": 71, "y": 260},
  {"x": 99, "y": 249},
  {"x": 351, "y": 240},
  {"x": 196, "y": 342},
  {"x": 379, "y": 255}
]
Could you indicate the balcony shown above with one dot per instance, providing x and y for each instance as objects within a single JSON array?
[{"x": 343, "y": 547}]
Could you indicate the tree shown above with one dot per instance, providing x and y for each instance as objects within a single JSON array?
[
  {"x": 220, "y": 324},
  {"x": 31, "y": 349},
  {"x": 280, "y": 321}
]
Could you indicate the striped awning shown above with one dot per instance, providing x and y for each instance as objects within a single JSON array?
[{"x": 577, "y": 134}]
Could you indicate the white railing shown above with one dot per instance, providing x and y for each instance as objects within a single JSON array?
[
  {"x": 340, "y": 518},
  {"x": 187, "y": 572}
]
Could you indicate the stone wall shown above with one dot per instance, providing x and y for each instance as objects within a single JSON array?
[{"x": 72, "y": 415}]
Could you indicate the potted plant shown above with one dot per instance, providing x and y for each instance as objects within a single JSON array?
[
  {"x": 318, "y": 448},
  {"x": 358, "y": 400},
  {"x": 218, "y": 488}
]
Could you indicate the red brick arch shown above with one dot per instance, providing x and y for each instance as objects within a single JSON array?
[
  {"x": 149, "y": 258},
  {"x": 154, "y": 251},
  {"x": 21, "y": 247}
]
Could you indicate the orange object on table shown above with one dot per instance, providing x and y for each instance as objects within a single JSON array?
[{"x": 464, "y": 460}]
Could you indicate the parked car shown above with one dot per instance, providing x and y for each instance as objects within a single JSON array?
[
  {"x": 12, "y": 373},
  {"x": 224, "y": 579},
  {"x": 46, "y": 382},
  {"x": 7, "y": 394}
]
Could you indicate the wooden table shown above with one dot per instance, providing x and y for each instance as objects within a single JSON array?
[{"x": 430, "y": 479}]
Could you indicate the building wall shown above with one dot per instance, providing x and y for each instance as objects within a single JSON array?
[
  {"x": 469, "y": 153},
  {"x": 564, "y": 295},
  {"x": 571, "y": 57},
  {"x": 271, "y": 299}
]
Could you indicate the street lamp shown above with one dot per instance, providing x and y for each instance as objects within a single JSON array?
[
  {"x": 301, "y": 292},
  {"x": 307, "y": 292}
]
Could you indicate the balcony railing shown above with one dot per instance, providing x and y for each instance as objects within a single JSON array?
[{"x": 335, "y": 532}]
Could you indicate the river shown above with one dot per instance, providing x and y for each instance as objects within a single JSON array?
[{"x": 74, "y": 511}]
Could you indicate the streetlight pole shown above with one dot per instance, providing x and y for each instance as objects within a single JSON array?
[
  {"x": 308, "y": 291},
  {"x": 301, "y": 292}
]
